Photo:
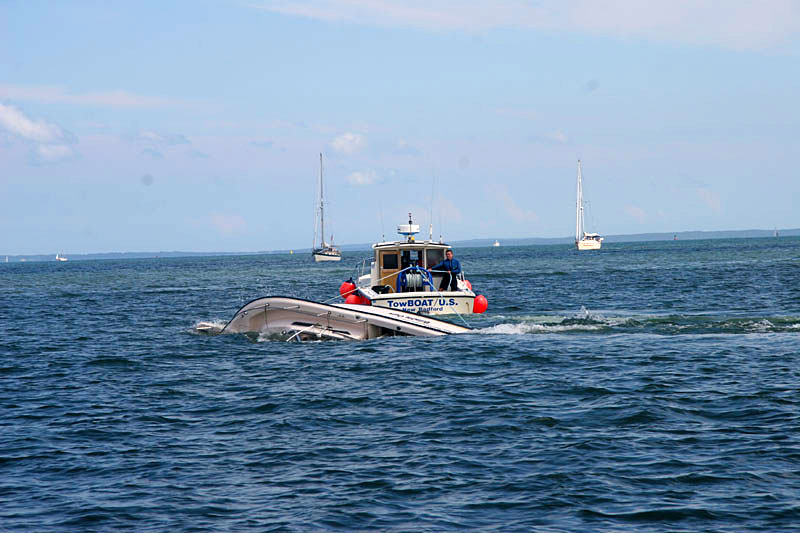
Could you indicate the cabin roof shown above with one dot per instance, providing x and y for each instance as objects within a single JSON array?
[{"x": 416, "y": 245}]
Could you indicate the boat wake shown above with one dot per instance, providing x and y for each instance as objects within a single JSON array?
[{"x": 590, "y": 322}]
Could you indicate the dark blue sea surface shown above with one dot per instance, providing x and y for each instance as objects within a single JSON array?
[{"x": 645, "y": 387}]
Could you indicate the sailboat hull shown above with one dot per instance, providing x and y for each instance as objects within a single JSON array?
[
  {"x": 321, "y": 257},
  {"x": 588, "y": 244}
]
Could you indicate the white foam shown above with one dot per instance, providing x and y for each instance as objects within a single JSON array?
[
  {"x": 213, "y": 327},
  {"x": 531, "y": 328}
]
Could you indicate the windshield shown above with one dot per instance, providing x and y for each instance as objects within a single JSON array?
[{"x": 435, "y": 256}]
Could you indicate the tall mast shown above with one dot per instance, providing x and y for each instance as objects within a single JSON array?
[
  {"x": 321, "y": 204},
  {"x": 579, "y": 206}
]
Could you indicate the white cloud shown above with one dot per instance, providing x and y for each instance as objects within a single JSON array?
[
  {"x": 558, "y": 136},
  {"x": 636, "y": 212},
  {"x": 507, "y": 203},
  {"x": 53, "y": 152},
  {"x": 48, "y": 142},
  {"x": 15, "y": 122},
  {"x": 57, "y": 95},
  {"x": 349, "y": 143},
  {"x": 738, "y": 24},
  {"x": 168, "y": 139},
  {"x": 155, "y": 154},
  {"x": 228, "y": 223},
  {"x": 366, "y": 177},
  {"x": 266, "y": 145},
  {"x": 402, "y": 147},
  {"x": 710, "y": 198}
]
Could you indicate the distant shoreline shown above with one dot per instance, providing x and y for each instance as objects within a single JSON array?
[{"x": 477, "y": 243}]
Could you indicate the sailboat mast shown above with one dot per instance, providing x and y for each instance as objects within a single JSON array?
[
  {"x": 579, "y": 206},
  {"x": 321, "y": 204}
]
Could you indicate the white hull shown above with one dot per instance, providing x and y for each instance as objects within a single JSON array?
[
  {"x": 588, "y": 244},
  {"x": 297, "y": 319},
  {"x": 319, "y": 258},
  {"x": 427, "y": 303}
]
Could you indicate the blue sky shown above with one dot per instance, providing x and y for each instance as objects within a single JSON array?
[{"x": 196, "y": 126}]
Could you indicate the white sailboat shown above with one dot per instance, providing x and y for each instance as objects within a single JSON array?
[
  {"x": 325, "y": 251},
  {"x": 496, "y": 243},
  {"x": 583, "y": 240},
  {"x": 60, "y": 257}
]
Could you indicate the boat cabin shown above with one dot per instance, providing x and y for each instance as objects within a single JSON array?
[
  {"x": 393, "y": 265},
  {"x": 393, "y": 257},
  {"x": 400, "y": 278}
]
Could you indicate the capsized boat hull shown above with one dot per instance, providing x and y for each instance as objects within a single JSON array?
[{"x": 295, "y": 318}]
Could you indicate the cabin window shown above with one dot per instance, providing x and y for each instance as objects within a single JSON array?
[
  {"x": 390, "y": 261},
  {"x": 405, "y": 262},
  {"x": 434, "y": 257}
]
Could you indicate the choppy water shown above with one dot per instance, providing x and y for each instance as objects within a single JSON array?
[{"x": 646, "y": 387}]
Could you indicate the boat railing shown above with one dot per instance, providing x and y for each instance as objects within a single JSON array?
[{"x": 360, "y": 269}]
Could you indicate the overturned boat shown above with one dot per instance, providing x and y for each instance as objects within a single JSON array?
[{"x": 297, "y": 319}]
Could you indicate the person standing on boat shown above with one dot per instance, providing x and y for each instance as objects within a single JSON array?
[{"x": 450, "y": 268}]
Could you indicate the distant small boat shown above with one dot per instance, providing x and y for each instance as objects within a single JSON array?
[
  {"x": 325, "y": 251},
  {"x": 60, "y": 257},
  {"x": 776, "y": 232},
  {"x": 583, "y": 240},
  {"x": 496, "y": 243}
]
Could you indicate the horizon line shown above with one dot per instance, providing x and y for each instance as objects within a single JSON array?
[{"x": 520, "y": 241}]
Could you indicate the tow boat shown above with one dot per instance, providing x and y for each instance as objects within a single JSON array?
[
  {"x": 400, "y": 279},
  {"x": 295, "y": 319}
]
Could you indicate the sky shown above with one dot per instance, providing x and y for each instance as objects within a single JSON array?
[{"x": 197, "y": 125}]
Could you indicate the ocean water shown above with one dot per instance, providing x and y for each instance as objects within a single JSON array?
[{"x": 645, "y": 387}]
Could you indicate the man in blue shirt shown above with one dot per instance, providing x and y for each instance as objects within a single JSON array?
[{"x": 451, "y": 268}]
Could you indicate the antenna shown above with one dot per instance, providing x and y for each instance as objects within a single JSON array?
[
  {"x": 430, "y": 220},
  {"x": 441, "y": 225}
]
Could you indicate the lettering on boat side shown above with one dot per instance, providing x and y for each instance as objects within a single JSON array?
[{"x": 423, "y": 305}]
